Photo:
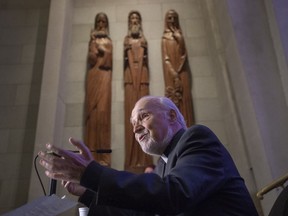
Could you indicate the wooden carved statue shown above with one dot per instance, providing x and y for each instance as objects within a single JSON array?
[
  {"x": 136, "y": 85},
  {"x": 98, "y": 90},
  {"x": 176, "y": 68}
]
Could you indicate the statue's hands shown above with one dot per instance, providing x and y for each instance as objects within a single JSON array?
[
  {"x": 101, "y": 49},
  {"x": 173, "y": 73},
  {"x": 93, "y": 34},
  {"x": 63, "y": 164},
  {"x": 177, "y": 35}
]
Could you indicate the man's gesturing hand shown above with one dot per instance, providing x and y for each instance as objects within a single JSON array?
[{"x": 63, "y": 164}]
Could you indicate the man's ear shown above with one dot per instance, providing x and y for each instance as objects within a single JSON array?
[{"x": 172, "y": 115}]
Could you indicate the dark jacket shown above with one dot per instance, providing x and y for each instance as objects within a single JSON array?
[{"x": 199, "y": 179}]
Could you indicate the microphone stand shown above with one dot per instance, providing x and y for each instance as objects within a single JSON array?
[
  {"x": 53, "y": 185},
  {"x": 53, "y": 182}
]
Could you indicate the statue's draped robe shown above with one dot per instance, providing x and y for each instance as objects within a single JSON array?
[
  {"x": 177, "y": 75},
  {"x": 136, "y": 85},
  {"x": 98, "y": 98}
]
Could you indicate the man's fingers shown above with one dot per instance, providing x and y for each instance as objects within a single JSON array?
[
  {"x": 81, "y": 147},
  {"x": 65, "y": 184},
  {"x": 60, "y": 176},
  {"x": 45, "y": 164},
  {"x": 55, "y": 150},
  {"x": 78, "y": 144},
  {"x": 50, "y": 162}
]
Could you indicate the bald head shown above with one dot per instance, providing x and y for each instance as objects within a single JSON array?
[
  {"x": 161, "y": 103},
  {"x": 155, "y": 121}
]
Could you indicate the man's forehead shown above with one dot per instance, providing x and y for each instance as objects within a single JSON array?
[{"x": 140, "y": 106}]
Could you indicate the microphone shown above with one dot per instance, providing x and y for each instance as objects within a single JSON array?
[
  {"x": 103, "y": 151},
  {"x": 98, "y": 151}
]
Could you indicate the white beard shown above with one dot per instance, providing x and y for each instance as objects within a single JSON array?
[{"x": 152, "y": 147}]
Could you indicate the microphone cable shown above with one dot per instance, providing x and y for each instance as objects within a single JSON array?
[{"x": 40, "y": 180}]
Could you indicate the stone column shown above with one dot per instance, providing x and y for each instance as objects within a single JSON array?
[{"x": 51, "y": 107}]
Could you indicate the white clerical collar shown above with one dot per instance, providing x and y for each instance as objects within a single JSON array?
[{"x": 164, "y": 158}]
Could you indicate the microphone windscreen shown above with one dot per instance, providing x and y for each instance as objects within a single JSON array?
[{"x": 102, "y": 151}]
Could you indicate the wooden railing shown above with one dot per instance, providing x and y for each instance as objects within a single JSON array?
[{"x": 275, "y": 184}]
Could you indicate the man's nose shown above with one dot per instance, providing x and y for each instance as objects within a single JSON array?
[{"x": 137, "y": 128}]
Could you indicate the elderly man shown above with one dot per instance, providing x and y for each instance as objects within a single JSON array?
[{"x": 195, "y": 175}]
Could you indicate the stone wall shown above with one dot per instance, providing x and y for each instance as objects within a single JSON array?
[{"x": 23, "y": 28}]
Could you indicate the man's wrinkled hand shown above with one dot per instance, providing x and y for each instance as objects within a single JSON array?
[{"x": 63, "y": 164}]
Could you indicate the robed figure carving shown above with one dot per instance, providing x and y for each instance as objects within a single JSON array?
[
  {"x": 176, "y": 68},
  {"x": 98, "y": 90},
  {"x": 136, "y": 85}
]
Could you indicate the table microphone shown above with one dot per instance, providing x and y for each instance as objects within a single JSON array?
[{"x": 103, "y": 151}]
